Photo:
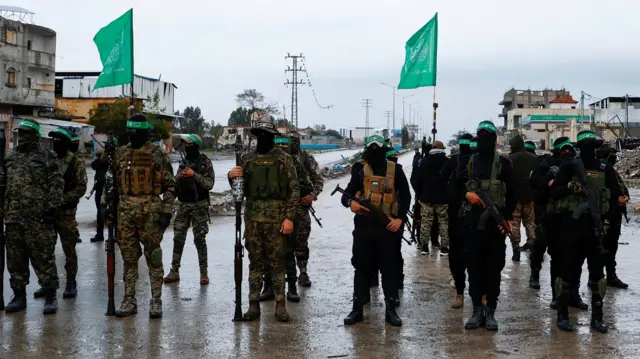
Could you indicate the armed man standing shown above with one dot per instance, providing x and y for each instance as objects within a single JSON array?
[
  {"x": 34, "y": 193},
  {"x": 75, "y": 146},
  {"x": 144, "y": 173},
  {"x": 523, "y": 163},
  {"x": 100, "y": 166},
  {"x": 303, "y": 230},
  {"x": 194, "y": 180},
  {"x": 490, "y": 203},
  {"x": 378, "y": 181},
  {"x": 272, "y": 191},
  {"x": 584, "y": 188},
  {"x": 75, "y": 185}
]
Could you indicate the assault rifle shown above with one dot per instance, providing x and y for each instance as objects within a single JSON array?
[
  {"x": 373, "y": 210},
  {"x": 305, "y": 191},
  {"x": 237, "y": 191},
  {"x": 491, "y": 210},
  {"x": 111, "y": 216},
  {"x": 417, "y": 220},
  {"x": 3, "y": 188},
  {"x": 93, "y": 189}
]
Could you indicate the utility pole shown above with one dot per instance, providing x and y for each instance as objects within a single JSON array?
[
  {"x": 394, "y": 105},
  {"x": 294, "y": 88},
  {"x": 626, "y": 111},
  {"x": 367, "y": 103},
  {"x": 387, "y": 114}
]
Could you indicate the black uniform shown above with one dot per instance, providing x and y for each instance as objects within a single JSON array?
[
  {"x": 372, "y": 242},
  {"x": 100, "y": 167}
]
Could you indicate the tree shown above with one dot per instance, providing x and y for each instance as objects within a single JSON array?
[
  {"x": 282, "y": 122},
  {"x": 192, "y": 121},
  {"x": 334, "y": 133},
  {"x": 320, "y": 128},
  {"x": 240, "y": 117},
  {"x": 252, "y": 99},
  {"x": 406, "y": 140}
]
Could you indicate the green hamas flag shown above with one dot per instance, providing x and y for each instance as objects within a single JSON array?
[
  {"x": 421, "y": 59},
  {"x": 115, "y": 44}
]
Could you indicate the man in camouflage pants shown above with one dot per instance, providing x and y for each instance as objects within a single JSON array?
[
  {"x": 34, "y": 192},
  {"x": 303, "y": 220},
  {"x": 75, "y": 145},
  {"x": 143, "y": 174},
  {"x": 194, "y": 180},
  {"x": 271, "y": 188},
  {"x": 75, "y": 185}
]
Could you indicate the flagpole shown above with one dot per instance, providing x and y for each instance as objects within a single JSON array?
[{"x": 435, "y": 107}]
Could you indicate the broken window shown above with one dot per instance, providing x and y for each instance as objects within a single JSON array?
[
  {"x": 29, "y": 45},
  {"x": 11, "y": 37},
  {"x": 11, "y": 77},
  {"x": 28, "y": 82}
]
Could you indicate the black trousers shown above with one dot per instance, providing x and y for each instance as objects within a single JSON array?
[
  {"x": 486, "y": 251},
  {"x": 100, "y": 219},
  {"x": 371, "y": 246},
  {"x": 611, "y": 244},
  {"x": 547, "y": 240},
  {"x": 576, "y": 244},
  {"x": 457, "y": 260}
]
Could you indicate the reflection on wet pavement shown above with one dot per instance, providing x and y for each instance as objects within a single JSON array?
[{"x": 197, "y": 319}]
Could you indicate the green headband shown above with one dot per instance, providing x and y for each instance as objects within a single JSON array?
[
  {"x": 464, "y": 142},
  {"x": 392, "y": 153},
  {"x": 587, "y": 135},
  {"x": 488, "y": 126},
  {"x": 139, "y": 125},
  {"x": 473, "y": 144},
  {"x": 282, "y": 141},
  {"x": 75, "y": 139},
  {"x": 529, "y": 146},
  {"x": 65, "y": 133},
  {"x": 565, "y": 143},
  {"x": 33, "y": 125},
  {"x": 374, "y": 139},
  {"x": 194, "y": 139}
]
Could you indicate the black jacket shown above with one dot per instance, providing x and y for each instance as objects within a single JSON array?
[
  {"x": 455, "y": 173},
  {"x": 356, "y": 184},
  {"x": 100, "y": 166},
  {"x": 430, "y": 187}
]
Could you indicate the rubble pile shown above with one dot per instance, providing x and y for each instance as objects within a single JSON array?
[{"x": 628, "y": 164}]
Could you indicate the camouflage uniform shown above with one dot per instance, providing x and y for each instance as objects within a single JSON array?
[
  {"x": 142, "y": 176},
  {"x": 429, "y": 212},
  {"x": 303, "y": 220},
  {"x": 75, "y": 177},
  {"x": 263, "y": 219},
  {"x": 193, "y": 209},
  {"x": 34, "y": 190},
  {"x": 524, "y": 213}
]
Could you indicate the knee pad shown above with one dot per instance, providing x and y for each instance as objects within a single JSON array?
[
  {"x": 598, "y": 287},
  {"x": 156, "y": 257},
  {"x": 560, "y": 285}
]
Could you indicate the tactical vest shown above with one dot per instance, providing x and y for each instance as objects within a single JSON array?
[
  {"x": 381, "y": 190},
  {"x": 597, "y": 183},
  {"x": 188, "y": 188},
  {"x": 140, "y": 176},
  {"x": 493, "y": 187},
  {"x": 266, "y": 179},
  {"x": 70, "y": 182},
  {"x": 552, "y": 205}
]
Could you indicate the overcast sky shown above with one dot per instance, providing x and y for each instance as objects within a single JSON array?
[{"x": 213, "y": 49}]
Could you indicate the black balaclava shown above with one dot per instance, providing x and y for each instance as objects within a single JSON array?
[
  {"x": 138, "y": 134},
  {"x": 75, "y": 145},
  {"x": 588, "y": 143},
  {"x": 265, "y": 142},
  {"x": 530, "y": 147},
  {"x": 192, "y": 152},
  {"x": 426, "y": 147},
  {"x": 487, "y": 138},
  {"x": 563, "y": 149},
  {"x": 375, "y": 154},
  {"x": 61, "y": 145},
  {"x": 465, "y": 143},
  {"x": 27, "y": 140}
]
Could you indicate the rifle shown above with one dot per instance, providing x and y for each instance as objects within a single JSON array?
[
  {"x": 305, "y": 191},
  {"x": 417, "y": 219},
  {"x": 111, "y": 201},
  {"x": 493, "y": 212},
  {"x": 93, "y": 189},
  {"x": 313, "y": 214},
  {"x": 237, "y": 191},
  {"x": 181, "y": 151},
  {"x": 3, "y": 188},
  {"x": 373, "y": 210}
]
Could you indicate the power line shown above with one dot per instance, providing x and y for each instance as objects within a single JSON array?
[
  {"x": 367, "y": 103},
  {"x": 308, "y": 80},
  {"x": 388, "y": 115},
  {"x": 294, "y": 88}
]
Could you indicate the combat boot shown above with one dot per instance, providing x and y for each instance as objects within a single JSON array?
[
  {"x": 554, "y": 300},
  {"x": 18, "y": 302},
  {"x": 534, "y": 279},
  {"x": 267, "y": 290},
  {"x": 613, "y": 280},
  {"x": 155, "y": 308},
  {"x": 51, "y": 302},
  {"x": 516, "y": 254},
  {"x": 390, "y": 314},
  {"x": 563, "y": 321},
  {"x": 597, "y": 323},
  {"x": 575, "y": 301},
  {"x": 477, "y": 319},
  {"x": 356, "y": 315},
  {"x": 98, "y": 238},
  {"x": 458, "y": 302},
  {"x": 281, "y": 312},
  {"x": 71, "y": 290},
  {"x": 40, "y": 293},
  {"x": 491, "y": 323},
  {"x": 204, "y": 277},
  {"x": 172, "y": 277},
  {"x": 292, "y": 291},
  {"x": 253, "y": 312},
  {"x": 304, "y": 279},
  {"x": 129, "y": 306}
]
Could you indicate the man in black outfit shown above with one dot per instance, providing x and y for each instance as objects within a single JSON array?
[
  {"x": 385, "y": 186},
  {"x": 100, "y": 167}
]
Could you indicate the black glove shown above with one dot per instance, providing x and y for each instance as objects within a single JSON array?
[
  {"x": 164, "y": 220},
  {"x": 48, "y": 218}
]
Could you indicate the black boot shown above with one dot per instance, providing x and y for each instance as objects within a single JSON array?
[
  {"x": 71, "y": 290},
  {"x": 390, "y": 314},
  {"x": 613, "y": 280},
  {"x": 477, "y": 319},
  {"x": 356, "y": 315},
  {"x": 98, "y": 238},
  {"x": 40, "y": 293},
  {"x": 554, "y": 300},
  {"x": 516, "y": 254},
  {"x": 51, "y": 302},
  {"x": 562, "y": 320},
  {"x": 18, "y": 302},
  {"x": 292, "y": 291},
  {"x": 491, "y": 323},
  {"x": 597, "y": 323},
  {"x": 534, "y": 279},
  {"x": 575, "y": 301},
  {"x": 267, "y": 290}
]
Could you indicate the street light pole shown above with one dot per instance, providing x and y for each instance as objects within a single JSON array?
[
  {"x": 394, "y": 104},
  {"x": 403, "y": 118}
]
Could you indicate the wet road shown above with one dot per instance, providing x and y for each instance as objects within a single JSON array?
[{"x": 197, "y": 320}]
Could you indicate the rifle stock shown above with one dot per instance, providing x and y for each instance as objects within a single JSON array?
[
  {"x": 237, "y": 191},
  {"x": 493, "y": 211},
  {"x": 3, "y": 187},
  {"x": 111, "y": 201}
]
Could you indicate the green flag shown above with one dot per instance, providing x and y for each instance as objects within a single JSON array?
[
  {"x": 115, "y": 44},
  {"x": 421, "y": 59}
]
